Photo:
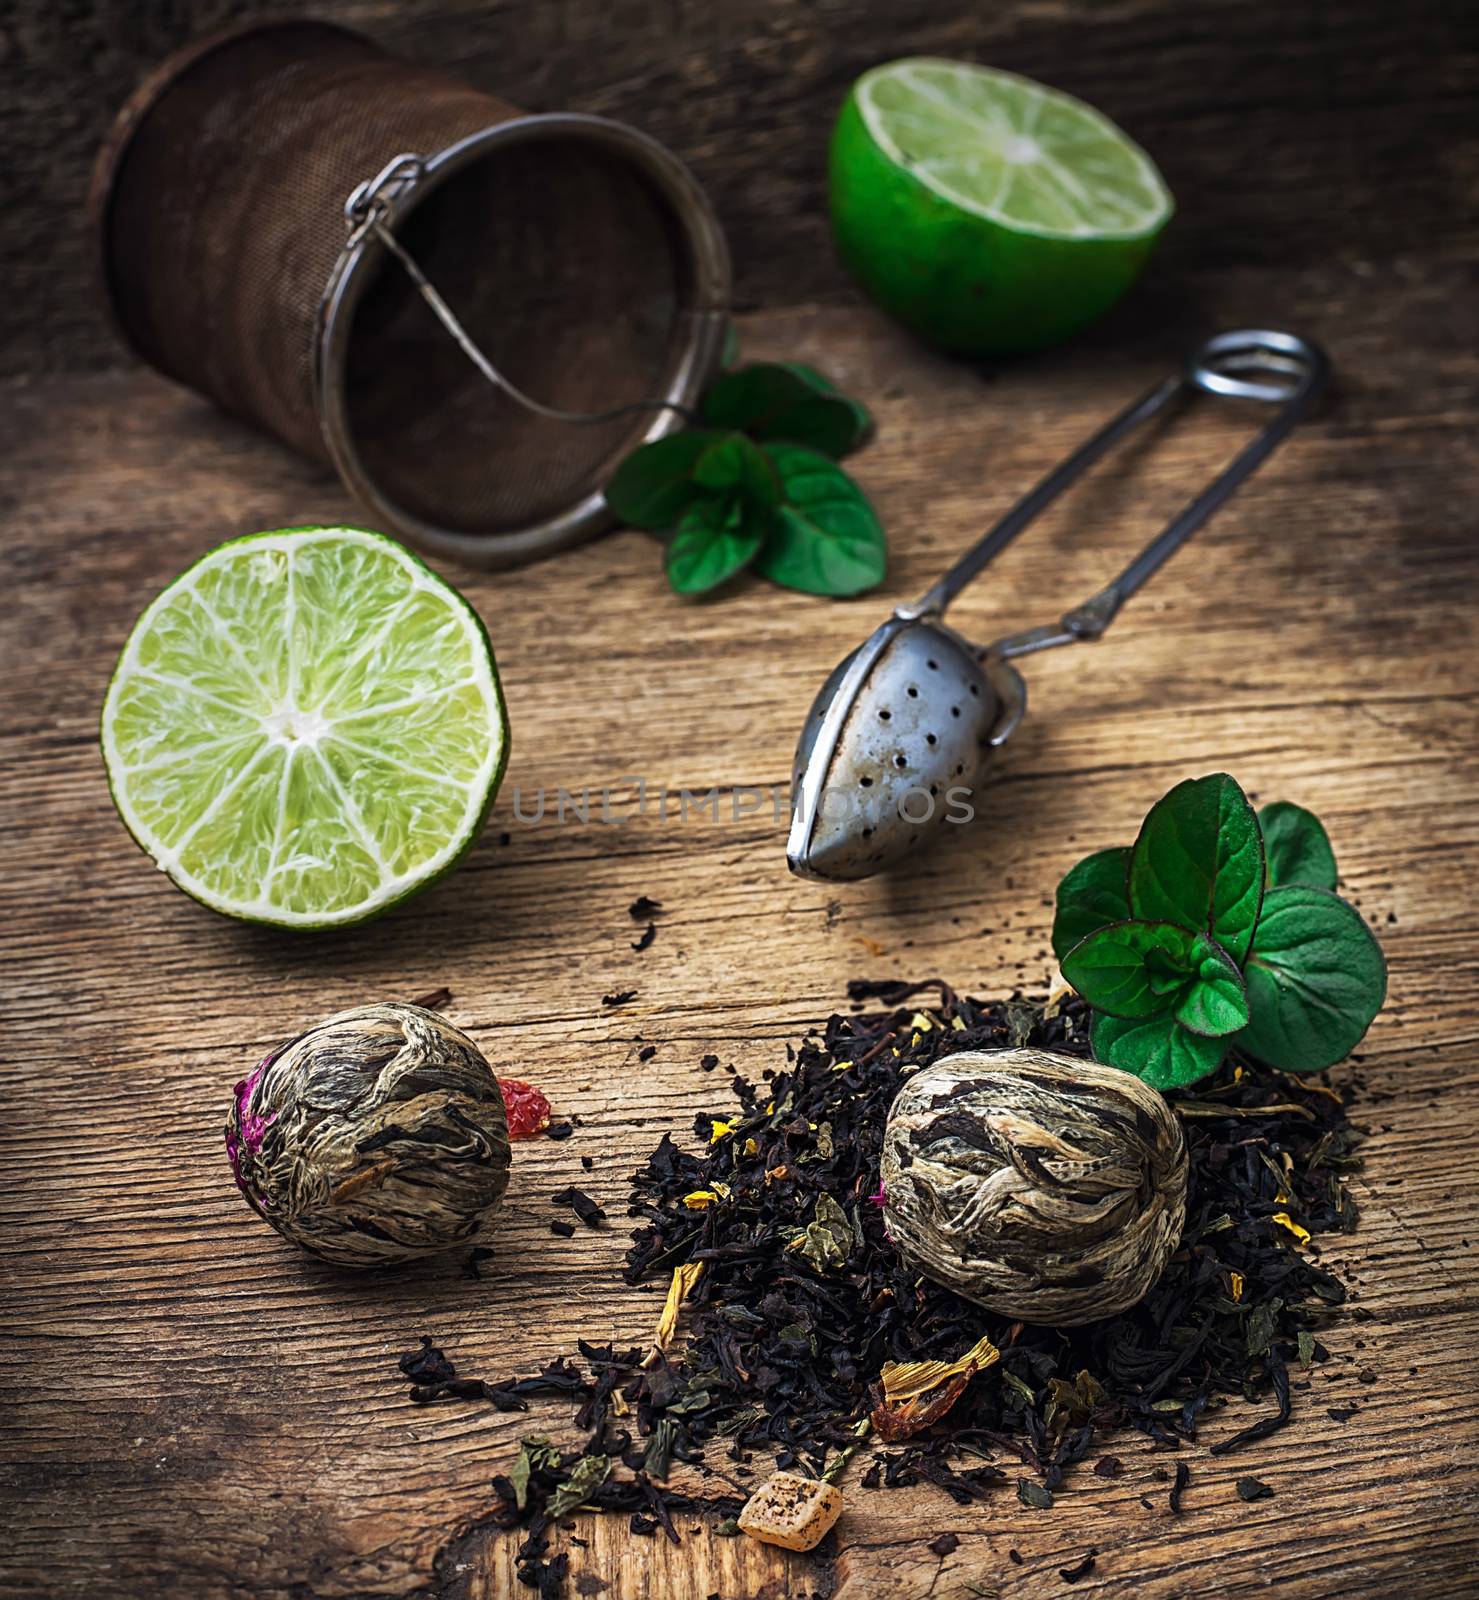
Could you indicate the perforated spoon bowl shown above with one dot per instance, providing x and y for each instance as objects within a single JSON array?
[{"x": 900, "y": 736}]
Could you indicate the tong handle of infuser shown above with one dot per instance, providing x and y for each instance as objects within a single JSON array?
[
  {"x": 1069, "y": 471},
  {"x": 1283, "y": 370}
]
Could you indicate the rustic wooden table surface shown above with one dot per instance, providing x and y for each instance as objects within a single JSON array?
[{"x": 194, "y": 1409}]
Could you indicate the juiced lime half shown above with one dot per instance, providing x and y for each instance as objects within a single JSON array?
[
  {"x": 305, "y": 727},
  {"x": 986, "y": 211}
]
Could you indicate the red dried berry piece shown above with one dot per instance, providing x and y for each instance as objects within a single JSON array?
[{"x": 528, "y": 1110}]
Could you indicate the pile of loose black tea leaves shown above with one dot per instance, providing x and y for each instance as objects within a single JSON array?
[
  {"x": 794, "y": 1298},
  {"x": 796, "y": 1313}
]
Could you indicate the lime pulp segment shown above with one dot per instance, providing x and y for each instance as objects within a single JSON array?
[
  {"x": 1005, "y": 148},
  {"x": 305, "y": 727}
]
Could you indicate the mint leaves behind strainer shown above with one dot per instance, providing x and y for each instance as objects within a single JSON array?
[{"x": 758, "y": 486}]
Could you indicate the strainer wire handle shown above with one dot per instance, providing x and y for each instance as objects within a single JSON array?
[
  {"x": 1036, "y": 500},
  {"x": 1285, "y": 370},
  {"x": 367, "y": 211}
]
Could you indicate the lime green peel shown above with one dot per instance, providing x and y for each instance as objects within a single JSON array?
[
  {"x": 987, "y": 212},
  {"x": 306, "y": 727}
]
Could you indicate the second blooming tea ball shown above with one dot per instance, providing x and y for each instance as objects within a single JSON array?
[{"x": 1041, "y": 1186}]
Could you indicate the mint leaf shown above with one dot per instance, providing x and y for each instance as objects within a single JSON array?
[
  {"x": 825, "y": 538},
  {"x": 1316, "y": 978},
  {"x": 714, "y": 540},
  {"x": 788, "y": 402},
  {"x": 653, "y": 485},
  {"x": 1297, "y": 846},
  {"x": 1090, "y": 896},
  {"x": 812, "y": 376},
  {"x": 1133, "y": 969},
  {"x": 733, "y": 462},
  {"x": 1215, "y": 1002},
  {"x": 1158, "y": 1050},
  {"x": 1199, "y": 861}
]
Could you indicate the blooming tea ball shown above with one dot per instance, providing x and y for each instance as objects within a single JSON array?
[
  {"x": 377, "y": 1136},
  {"x": 1042, "y": 1187}
]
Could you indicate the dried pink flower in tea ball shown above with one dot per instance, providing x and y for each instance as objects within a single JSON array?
[
  {"x": 1042, "y": 1187},
  {"x": 377, "y": 1136}
]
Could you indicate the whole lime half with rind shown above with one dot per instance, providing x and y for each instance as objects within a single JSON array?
[
  {"x": 306, "y": 727},
  {"x": 986, "y": 212}
]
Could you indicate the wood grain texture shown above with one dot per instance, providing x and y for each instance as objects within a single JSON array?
[{"x": 196, "y": 1410}]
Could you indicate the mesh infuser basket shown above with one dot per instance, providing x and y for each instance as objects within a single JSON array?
[{"x": 579, "y": 256}]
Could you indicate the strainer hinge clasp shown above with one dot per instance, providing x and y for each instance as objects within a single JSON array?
[
  {"x": 1085, "y": 622},
  {"x": 369, "y": 201}
]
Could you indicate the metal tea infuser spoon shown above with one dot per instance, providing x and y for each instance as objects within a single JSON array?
[{"x": 916, "y": 711}]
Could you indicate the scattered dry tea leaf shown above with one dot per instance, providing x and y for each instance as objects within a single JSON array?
[
  {"x": 828, "y": 1239},
  {"x": 1079, "y": 1399},
  {"x": 534, "y": 1454},
  {"x": 586, "y": 1476},
  {"x": 1080, "y": 1570}
]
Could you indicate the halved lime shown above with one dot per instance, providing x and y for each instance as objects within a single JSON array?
[
  {"x": 305, "y": 727},
  {"x": 987, "y": 212}
]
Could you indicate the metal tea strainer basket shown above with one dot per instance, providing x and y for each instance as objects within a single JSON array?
[
  {"x": 470, "y": 313},
  {"x": 909, "y": 722}
]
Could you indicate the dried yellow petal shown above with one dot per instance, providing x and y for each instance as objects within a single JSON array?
[
  {"x": 908, "y": 1380},
  {"x": 719, "y": 1130},
  {"x": 679, "y": 1289},
  {"x": 751, "y": 1148},
  {"x": 700, "y": 1199},
  {"x": 1237, "y": 1281},
  {"x": 1287, "y": 1222}
]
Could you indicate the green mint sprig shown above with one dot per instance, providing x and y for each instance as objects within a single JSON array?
[
  {"x": 758, "y": 485},
  {"x": 1218, "y": 928}
]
